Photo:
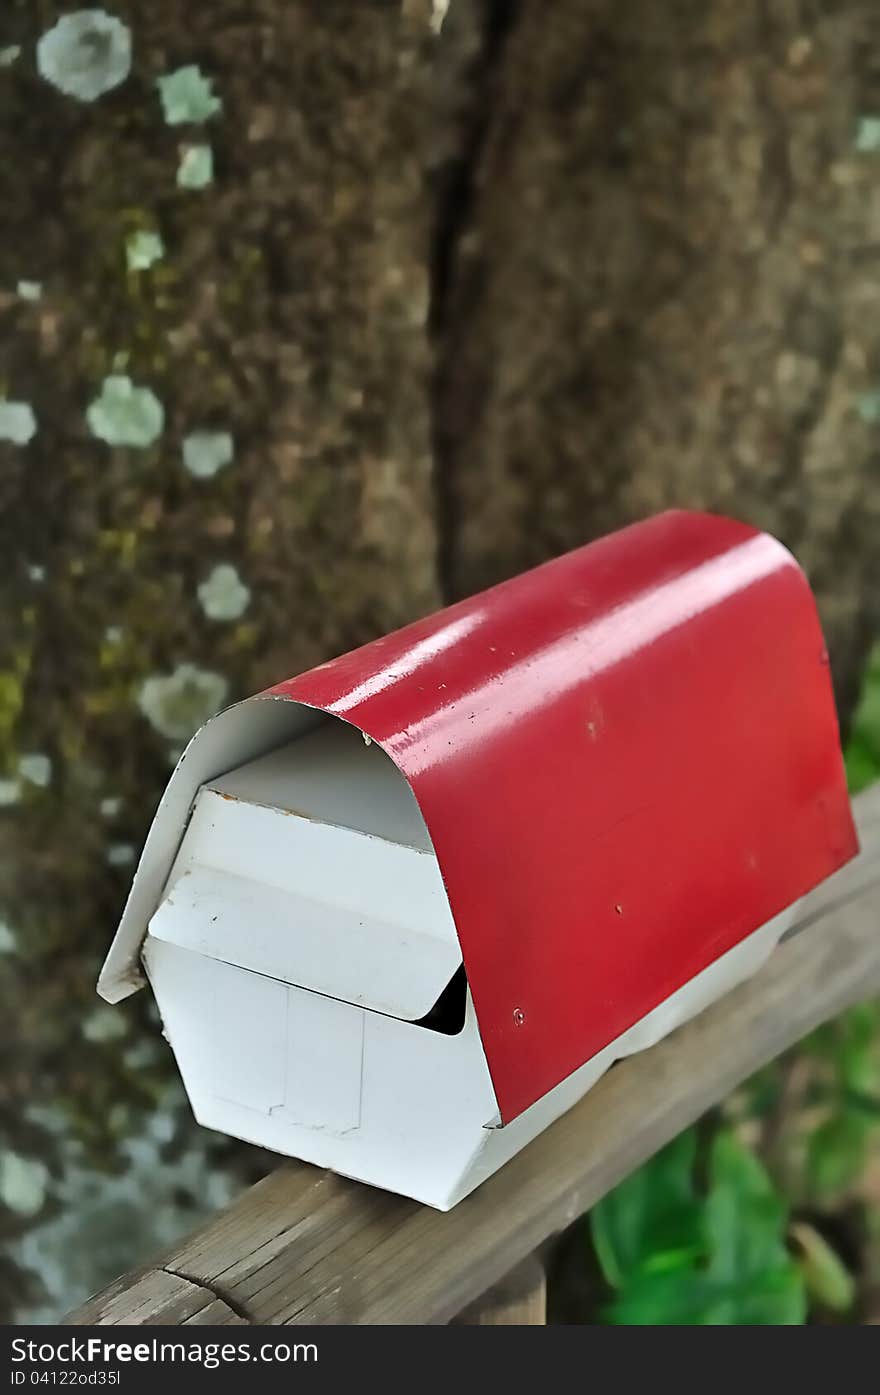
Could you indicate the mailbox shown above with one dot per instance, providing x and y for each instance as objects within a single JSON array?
[{"x": 402, "y": 911}]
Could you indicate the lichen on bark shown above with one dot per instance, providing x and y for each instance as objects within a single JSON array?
[{"x": 288, "y": 314}]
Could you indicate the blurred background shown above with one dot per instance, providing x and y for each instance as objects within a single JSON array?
[{"x": 314, "y": 316}]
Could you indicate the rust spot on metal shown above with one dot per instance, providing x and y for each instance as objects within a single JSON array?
[{"x": 298, "y": 814}]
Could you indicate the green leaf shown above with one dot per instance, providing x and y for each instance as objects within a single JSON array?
[
  {"x": 775, "y": 1298},
  {"x": 859, "y": 1031},
  {"x": 668, "y": 1300},
  {"x": 745, "y": 1217},
  {"x": 652, "y": 1220},
  {"x": 862, "y": 768},
  {"x": 862, "y": 754},
  {"x": 827, "y": 1278},
  {"x": 836, "y": 1151},
  {"x": 694, "y": 1299},
  {"x": 677, "y": 1261},
  {"x": 868, "y": 1106}
]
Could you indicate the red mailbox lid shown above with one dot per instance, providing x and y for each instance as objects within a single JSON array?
[{"x": 627, "y": 760}]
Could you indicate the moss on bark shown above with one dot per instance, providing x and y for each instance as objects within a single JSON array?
[{"x": 289, "y": 310}]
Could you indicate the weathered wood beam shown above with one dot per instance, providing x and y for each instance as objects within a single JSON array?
[{"x": 517, "y": 1300}]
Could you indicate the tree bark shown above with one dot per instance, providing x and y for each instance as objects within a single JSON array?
[
  {"x": 666, "y": 289},
  {"x": 289, "y": 311}
]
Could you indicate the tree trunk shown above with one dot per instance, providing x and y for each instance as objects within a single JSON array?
[
  {"x": 467, "y": 289},
  {"x": 289, "y": 311},
  {"x": 665, "y": 290}
]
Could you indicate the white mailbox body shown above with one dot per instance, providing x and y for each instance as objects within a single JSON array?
[{"x": 310, "y": 982}]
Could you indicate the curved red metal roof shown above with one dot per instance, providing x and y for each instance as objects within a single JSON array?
[{"x": 627, "y": 760}]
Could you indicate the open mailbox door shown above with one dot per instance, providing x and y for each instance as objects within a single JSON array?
[
  {"x": 307, "y": 967},
  {"x": 313, "y": 866},
  {"x": 401, "y": 912}
]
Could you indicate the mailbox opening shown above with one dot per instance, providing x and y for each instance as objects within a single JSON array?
[
  {"x": 447, "y": 1016},
  {"x": 312, "y": 865},
  {"x": 308, "y": 972}
]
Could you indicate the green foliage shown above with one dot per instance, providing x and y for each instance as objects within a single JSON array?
[
  {"x": 828, "y": 1282},
  {"x": 849, "y": 1051},
  {"x": 652, "y": 1222},
  {"x": 676, "y": 1256},
  {"x": 849, "y": 1048},
  {"x": 862, "y": 754}
]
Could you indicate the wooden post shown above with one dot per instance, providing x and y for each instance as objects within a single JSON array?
[
  {"x": 306, "y": 1247},
  {"x": 517, "y": 1300}
]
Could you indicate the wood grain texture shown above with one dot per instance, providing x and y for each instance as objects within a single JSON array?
[
  {"x": 158, "y": 1296},
  {"x": 517, "y": 1300},
  {"x": 304, "y": 1246}
]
